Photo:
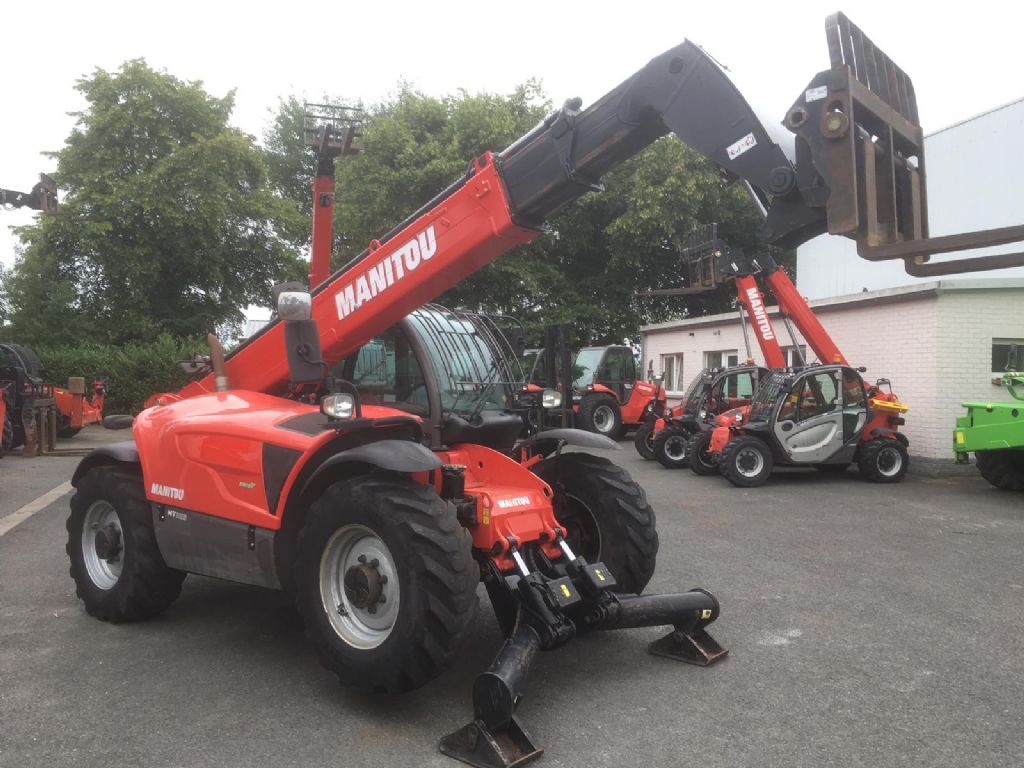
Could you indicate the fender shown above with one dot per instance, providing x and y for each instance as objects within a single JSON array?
[
  {"x": 547, "y": 441},
  {"x": 123, "y": 452},
  {"x": 892, "y": 434},
  {"x": 395, "y": 455}
]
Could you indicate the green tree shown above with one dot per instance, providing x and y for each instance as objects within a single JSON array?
[
  {"x": 600, "y": 253},
  {"x": 167, "y": 222}
]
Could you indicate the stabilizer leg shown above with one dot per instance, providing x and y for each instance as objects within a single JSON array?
[{"x": 495, "y": 738}]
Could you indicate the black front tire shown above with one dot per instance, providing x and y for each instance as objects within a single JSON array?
[
  {"x": 1002, "y": 468},
  {"x": 883, "y": 460},
  {"x": 672, "y": 448},
  {"x": 431, "y": 564},
  {"x": 136, "y": 583},
  {"x": 746, "y": 462},
  {"x": 643, "y": 440},
  {"x": 606, "y": 516},
  {"x": 699, "y": 455},
  {"x": 600, "y": 413}
]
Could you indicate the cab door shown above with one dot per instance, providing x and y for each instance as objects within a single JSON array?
[{"x": 809, "y": 424}]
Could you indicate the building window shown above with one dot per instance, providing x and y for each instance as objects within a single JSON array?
[
  {"x": 793, "y": 360},
  {"x": 721, "y": 358},
  {"x": 672, "y": 371},
  {"x": 1003, "y": 357}
]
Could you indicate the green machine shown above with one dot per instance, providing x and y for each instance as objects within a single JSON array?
[{"x": 994, "y": 433}]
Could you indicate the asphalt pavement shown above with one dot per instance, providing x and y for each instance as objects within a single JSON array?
[{"x": 867, "y": 625}]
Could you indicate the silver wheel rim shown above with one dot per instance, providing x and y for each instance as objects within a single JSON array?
[
  {"x": 604, "y": 418},
  {"x": 675, "y": 448},
  {"x": 361, "y": 620},
  {"x": 749, "y": 462},
  {"x": 102, "y": 527},
  {"x": 889, "y": 462}
]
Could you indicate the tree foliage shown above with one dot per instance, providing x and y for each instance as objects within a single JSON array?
[
  {"x": 599, "y": 253},
  {"x": 167, "y": 222}
]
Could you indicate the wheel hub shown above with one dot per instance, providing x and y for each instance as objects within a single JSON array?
[
  {"x": 108, "y": 543},
  {"x": 749, "y": 462},
  {"x": 603, "y": 418},
  {"x": 675, "y": 447},
  {"x": 364, "y": 584}
]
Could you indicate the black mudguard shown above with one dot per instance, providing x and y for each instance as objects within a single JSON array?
[
  {"x": 123, "y": 452},
  {"x": 546, "y": 442},
  {"x": 394, "y": 455}
]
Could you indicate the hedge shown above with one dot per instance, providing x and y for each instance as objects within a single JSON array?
[{"x": 133, "y": 371}]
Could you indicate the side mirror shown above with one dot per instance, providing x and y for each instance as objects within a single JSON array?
[{"x": 294, "y": 305}]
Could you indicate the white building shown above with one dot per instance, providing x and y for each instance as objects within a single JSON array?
[{"x": 940, "y": 342}]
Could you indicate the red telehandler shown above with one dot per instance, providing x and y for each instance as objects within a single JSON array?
[{"x": 381, "y": 500}]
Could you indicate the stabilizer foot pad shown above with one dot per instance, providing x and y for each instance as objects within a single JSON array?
[
  {"x": 697, "y": 648},
  {"x": 476, "y": 745}
]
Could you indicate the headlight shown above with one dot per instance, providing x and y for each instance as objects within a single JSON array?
[
  {"x": 551, "y": 398},
  {"x": 703, "y": 415},
  {"x": 338, "y": 407},
  {"x": 738, "y": 416}
]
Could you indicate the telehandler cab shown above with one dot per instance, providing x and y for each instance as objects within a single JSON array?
[{"x": 381, "y": 504}]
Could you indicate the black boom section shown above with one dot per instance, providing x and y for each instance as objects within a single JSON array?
[{"x": 683, "y": 91}]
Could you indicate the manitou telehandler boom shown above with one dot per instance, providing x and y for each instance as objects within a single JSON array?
[{"x": 382, "y": 514}]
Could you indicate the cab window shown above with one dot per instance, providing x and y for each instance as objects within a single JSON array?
[
  {"x": 812, "y": 396},
  {"x": 386, "y": 372}
]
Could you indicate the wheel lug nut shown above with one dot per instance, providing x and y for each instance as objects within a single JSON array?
[
  {"x": 374, "y": 563},
  {"x": 383, "y": 599},
  {"x": 341, "y": 610},
  {"x": 361, "y": 558},
  {"x": 383, "y": 579}
]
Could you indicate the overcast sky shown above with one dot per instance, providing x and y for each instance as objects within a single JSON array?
[{"x": 963, "y": 58}]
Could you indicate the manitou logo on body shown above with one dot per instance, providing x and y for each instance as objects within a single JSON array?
[
  {"x": 757, "y": 307},
  {"x": 515, "y": 501},
  {"x": 386, "y": 272},
  {"x": 178, "y": 494}
]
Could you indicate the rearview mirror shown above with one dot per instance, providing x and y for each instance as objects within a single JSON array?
[{"x": 294, "y": 305}]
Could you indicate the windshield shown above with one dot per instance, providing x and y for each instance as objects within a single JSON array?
[
  {"x": 694, "y": 397},
  {"x": 585, "y": 367},
  {"x": 471, "y": 376},
  {"x": 767, "y": 393}
]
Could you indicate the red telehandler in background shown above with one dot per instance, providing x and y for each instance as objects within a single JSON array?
[{"x": 381, "y": 500}]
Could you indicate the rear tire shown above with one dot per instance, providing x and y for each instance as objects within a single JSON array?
[
  {"x": 65, "y": 430},
  {"x": 606, "y": 516},
  {"x": 747, "y": 462},
  {"x": 601, "y": 414},
  {"x": 672, "y": 448},
  {"x": 116, "y": 563},
  {"x": 7, "y": 428},
  {"x": 1002, "y": 468},
  {"x": 643, "y": 440},
  {"x": 429, "y": 582},
  {"x": 883, "y": 460},
  {"x": 699, "y": 454}
]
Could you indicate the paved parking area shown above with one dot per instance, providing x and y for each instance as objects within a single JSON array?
[{"x": 867, "y": 625}]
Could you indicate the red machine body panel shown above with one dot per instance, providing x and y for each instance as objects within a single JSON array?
[
  {"x": 511, "y": 502},
  {"x": 195, "y": 458}
]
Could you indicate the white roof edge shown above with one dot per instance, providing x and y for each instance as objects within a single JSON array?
[
  {"x": 978, "y": 116},
  {"x": 882, "y": 295}
]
